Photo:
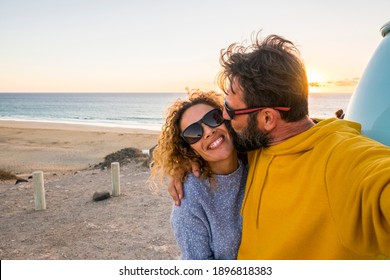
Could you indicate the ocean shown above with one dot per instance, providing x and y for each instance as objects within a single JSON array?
[{"x": 133, "y": 110}]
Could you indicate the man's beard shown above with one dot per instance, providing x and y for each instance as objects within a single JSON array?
[{"x": 251, "y": 138}]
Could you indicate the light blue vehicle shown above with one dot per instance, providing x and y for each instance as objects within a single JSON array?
[{"x": 370, "y": 103}]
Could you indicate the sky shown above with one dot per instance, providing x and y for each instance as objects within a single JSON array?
[{"x": 168, "y": 45}]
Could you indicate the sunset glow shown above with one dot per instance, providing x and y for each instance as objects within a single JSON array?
[
  {"x": 93, "y": 46},
  {"x": 315, "y": 80}
]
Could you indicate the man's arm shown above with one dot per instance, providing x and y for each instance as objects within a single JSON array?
[{"x": 175, "y": 187}]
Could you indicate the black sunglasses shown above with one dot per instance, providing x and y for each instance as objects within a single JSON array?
[
  {"x": 232, "y": 112},
  {"x": 194, "y": 132}
]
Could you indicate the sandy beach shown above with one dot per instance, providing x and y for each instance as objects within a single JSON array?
[
  {"x": 51, "y": 147},
  {"x": 133, "y": 225}
]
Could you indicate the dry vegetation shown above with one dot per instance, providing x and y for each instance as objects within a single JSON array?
[{"x": 6, "y": 175}]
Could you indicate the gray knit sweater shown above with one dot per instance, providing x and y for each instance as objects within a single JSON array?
[{"x": 207, "y": 225}]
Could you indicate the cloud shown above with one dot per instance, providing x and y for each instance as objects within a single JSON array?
[
  {"x": 336, "y": 83},
  {"x": 315, "y": 84}
]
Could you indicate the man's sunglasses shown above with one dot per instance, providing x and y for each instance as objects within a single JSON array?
[
  {"x": 194, "y": 132},
  {"x": 232, "y": 112}
]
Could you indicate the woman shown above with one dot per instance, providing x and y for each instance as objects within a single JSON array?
[{"x": 207, "y": 225}]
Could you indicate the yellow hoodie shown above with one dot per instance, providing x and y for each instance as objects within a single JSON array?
[{"x": 323, "y": 194}]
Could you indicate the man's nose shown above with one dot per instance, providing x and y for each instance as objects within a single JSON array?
[{"x": 225, "y": 115}]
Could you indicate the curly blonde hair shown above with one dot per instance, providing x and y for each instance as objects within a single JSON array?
[{"x": 172, "y": 156}]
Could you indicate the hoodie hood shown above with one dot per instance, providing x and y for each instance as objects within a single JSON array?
[{"x": 306, "y": 140}]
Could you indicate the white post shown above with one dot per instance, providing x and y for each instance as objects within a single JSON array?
[
  {"x": 39, "y": 191},
  {"x": 116, "y": 182}
]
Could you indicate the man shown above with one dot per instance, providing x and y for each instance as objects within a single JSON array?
[{"x": 314, "y": 191}]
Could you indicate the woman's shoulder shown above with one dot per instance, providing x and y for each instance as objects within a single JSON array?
[
  {"x": 195, "y": 185},
  {"x": 195, "y": 196}
]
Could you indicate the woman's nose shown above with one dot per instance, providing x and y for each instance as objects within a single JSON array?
[{"x": 207, "y": 131}]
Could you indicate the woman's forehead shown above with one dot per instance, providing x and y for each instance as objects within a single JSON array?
[{"x": 194, "y": 114}]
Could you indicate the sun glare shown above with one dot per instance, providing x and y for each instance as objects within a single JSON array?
[
  {"x": 315, "y": 80},
  {"x": 314, "y": 76}
]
